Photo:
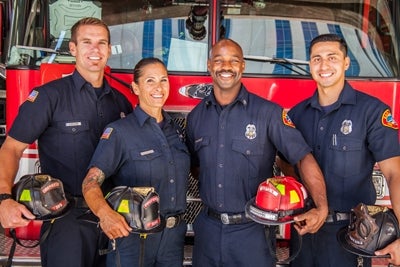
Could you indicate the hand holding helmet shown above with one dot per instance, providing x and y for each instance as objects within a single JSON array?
[
  {"x": 371, "y": 228},
  {"x": 277, "y": 201},
  {"x": 43, "y": 196},
  {"x": 140, "y": 206}
]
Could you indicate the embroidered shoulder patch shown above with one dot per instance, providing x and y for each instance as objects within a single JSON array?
[
  {"x": 286, "y": 120},
  {"x": 388, "y": 120},
  {"x": 107, "y": 132},
  {"x": 32, "y": 96}
]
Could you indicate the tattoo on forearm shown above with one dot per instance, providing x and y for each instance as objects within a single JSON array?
[{"x": 94, "y": 179}]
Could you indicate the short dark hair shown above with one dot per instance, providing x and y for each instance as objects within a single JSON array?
[
  {"x": 88, "y": 21},
  {"x": 329, "y": 37},
  {"x": 137, "y": 71}
]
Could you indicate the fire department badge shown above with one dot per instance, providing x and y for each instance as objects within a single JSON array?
[
  {"x": 347, "y": 127},
  {"x": 286, "y": 120},
  {"x": 388, "y": 120},
  {"x": 250, "y": 131}
]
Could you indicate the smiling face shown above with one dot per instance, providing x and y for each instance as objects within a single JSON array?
[
  {"x": 152, "y": 88},
  {"x": 91, "y": 49},
  {"x": 328, "y": 64},
  {"x": 226, "y": 66}
]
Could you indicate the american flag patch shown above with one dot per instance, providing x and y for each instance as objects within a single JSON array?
[
  {"x": 32, "y": 96},
  {"x": 107, "y": 132}
]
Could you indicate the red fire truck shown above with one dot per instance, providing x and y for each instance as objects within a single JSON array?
[{"x": 274, "y": 35}]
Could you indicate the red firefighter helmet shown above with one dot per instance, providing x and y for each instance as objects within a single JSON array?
[{"x": 278, "y": 199}]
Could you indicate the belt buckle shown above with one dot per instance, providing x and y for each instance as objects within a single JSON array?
[
  {"x": 171, "y": 222},
  {"x": 225, "y": 218}
]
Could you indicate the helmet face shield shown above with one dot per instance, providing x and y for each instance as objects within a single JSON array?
[
  {"x": 43, "y": 195},
  {"x": 278, "y": 199},
  {"x": 371, "y": 228}
]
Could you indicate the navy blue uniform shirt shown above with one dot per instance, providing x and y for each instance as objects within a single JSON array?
[
  {"x": 235, "y": 147},
  {"x": 67, "y": 118},
  {"x": 347, "y": 141},
  {"x": 136, "y": 151}
]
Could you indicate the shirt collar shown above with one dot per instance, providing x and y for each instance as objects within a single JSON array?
[
  {"x": 142, "y": 116},
  {"x": 346, "y": 97},
  {"x": 242, "y": 97},
  {"x": 80, "y": 82}
]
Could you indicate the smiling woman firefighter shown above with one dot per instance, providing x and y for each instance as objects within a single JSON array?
[{"x": 145, "y": 149}]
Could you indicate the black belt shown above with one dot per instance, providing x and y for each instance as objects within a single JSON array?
[
  {"x": 335, "y": 216},
  {"x": 173, "y": 221},
  {"x": 227, "y": 218},
  {"x": 79, "y": 202}
]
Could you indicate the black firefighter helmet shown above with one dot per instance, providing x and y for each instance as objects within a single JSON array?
[
  {"x": 43, "y": 195},
  {"x": 140, "y": 206},
  {"x": 371, "y": 228}
]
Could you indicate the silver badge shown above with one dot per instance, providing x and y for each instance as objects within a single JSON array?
[
  {"x": 347, "y": 127},
  {"x": 250, "y": 131}
]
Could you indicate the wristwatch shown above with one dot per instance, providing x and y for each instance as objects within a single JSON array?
[{"x": 5, "y": 196}]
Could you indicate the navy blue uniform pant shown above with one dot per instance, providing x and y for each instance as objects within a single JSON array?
[
  {"x": 71, "y": 242},
  {"x": 163, "y": 249},
  {"x": 323, "y": 250},
  {"x": 234, "y": 245}
]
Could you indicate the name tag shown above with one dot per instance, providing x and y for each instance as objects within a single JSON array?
[
  {"x": 147, "y": 152},
  {"x": 72, "y": 124}
]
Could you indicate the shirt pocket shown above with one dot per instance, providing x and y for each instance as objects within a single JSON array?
[
  {"x": 147, "y": 165},
  {"x": 345, "y": 159},
  {"x": 72, "y": 127},
  {"x": 201, "y": 142},
  {"x": 248, "y": 171}
]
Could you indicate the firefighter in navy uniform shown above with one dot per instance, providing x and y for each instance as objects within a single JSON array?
[
  {"x": 233, "y": 135},
  {"x": 349, "y": 131},
  {"x": 67, "y": 117},
  {"x": 147, "y": 148}
]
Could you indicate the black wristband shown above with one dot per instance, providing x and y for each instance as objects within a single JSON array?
[{"x": 5, "y": 196}]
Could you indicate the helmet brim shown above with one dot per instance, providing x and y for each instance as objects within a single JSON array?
[
  {"x": 255, "y": 213},
  {"x": 343, "y": 241},
  {"x": 155, "y": 230},
  {"x": 91, "y": 218},
  {"x": 64, "y": 212}
]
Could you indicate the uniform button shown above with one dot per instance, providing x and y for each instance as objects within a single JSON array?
[
  {"x": 221, "y": 165},
  {"x": 248, "y": 152},
  {"x": 220, "y": 205},
  {"x": 171, "y": 181},
  {"x": 74, "y": 129},
  {"x": 219, "y": 185},
  {"x": 321, "y": 128},
  {"x": 171, "y": 162},
  {"x": 172, "y": 198},
  {"x": 344, "y": 147},
  {"x": 221, "y": 145}
]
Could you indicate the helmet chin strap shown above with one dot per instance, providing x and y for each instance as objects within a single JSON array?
[
  {"x": 16, "y": 241},
  {"x": 270, "y": 236}
]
